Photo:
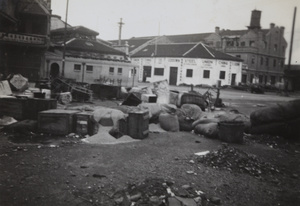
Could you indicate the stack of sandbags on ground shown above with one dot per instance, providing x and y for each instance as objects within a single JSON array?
[
  {"x": 207, "y": 125},
  {"x": 155, "y": 109},
  {"x": 282, "y": 119},
  {"x": 187, "y": 114}
]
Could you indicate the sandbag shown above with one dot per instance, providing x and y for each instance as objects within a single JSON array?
[
  {"x": 108, "y": 113},
  {"x": 209, "y": 130},
  {"x": 277, "y": 113},
  {"x": 192, "y": 111},
  {"x": 185, "y": 122},
  {"x": 169, "y": 122},
  {"x": 205, "y": 121},
  {"x": 153, "y": 108},
  {"x": 289, "y": 129},
  {"x": 161, "y": 89}
]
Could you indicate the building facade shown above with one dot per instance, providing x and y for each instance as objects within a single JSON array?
[
  {"x": 194, "y": 64},
  {"x": 24, "y": 37},
  {"x": 87, "y": 59},
  {"x": 262, "y": 50}
]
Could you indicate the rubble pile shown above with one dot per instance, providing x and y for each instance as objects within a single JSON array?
[
  {"x": 232, "y": 159},
  {"x": 159, "y": 192}
]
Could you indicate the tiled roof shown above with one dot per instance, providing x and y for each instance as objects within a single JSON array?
[
  {"x": 91, "y": 46},
  {"x": 186, "y": 50},
  {"x": 133, "y": 42},
  {"x": 188, "y": 38},
  {"x": 79, "y": 29}
]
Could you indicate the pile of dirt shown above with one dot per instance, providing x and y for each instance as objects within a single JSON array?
[{"x": 236, "y": 160}]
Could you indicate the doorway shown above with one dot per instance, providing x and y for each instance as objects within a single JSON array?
[
  {"x": 173, "y": 75},
  {"x": 54, "y": 70},
  {"x": 146, "y": 72},
  {"x": 233, "y": 77}
]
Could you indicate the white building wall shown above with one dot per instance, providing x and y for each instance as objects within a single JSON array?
[
  {"x": 100, "y": 70},
  {"x": 198, "y": 66}
]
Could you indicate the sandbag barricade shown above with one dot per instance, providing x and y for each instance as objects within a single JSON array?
[{"x": 282, "y": 119}]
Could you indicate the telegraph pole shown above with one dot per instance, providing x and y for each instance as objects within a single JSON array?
[
  {"x": 64, "y": 49},
  {"x": 120, "y": 30},
  {"x": 287, "y": 71},
  {"x": 292, "y": 38}
]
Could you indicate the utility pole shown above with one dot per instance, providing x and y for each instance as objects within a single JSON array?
[
  {"x": 64, "y": 49},
  {"x": 120, "y": 30},
  {"x": 287, "y": 71}
]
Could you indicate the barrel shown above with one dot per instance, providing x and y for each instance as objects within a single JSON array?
[{"x": 231, "y": 132}]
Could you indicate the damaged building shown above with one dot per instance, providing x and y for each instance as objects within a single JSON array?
[{"x": 24, "y": 37}]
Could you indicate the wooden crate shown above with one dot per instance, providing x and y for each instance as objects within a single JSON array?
[
  {"x": 138, "y": 124},
  {"x": 36, "y": 105},
  {"x": 85, "y": 124},
  {"x": 56, "y": 121},
  {"x": 13, "y": 107}
]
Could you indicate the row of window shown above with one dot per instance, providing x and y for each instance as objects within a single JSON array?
[
  {"x": 189, "y": 73},
  {"x": 89, "y": 68},
  {"x": 112, "y": 70}
]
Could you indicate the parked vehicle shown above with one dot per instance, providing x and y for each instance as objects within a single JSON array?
[{"x": 256, "y": 88}]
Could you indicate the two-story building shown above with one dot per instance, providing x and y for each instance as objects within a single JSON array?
[{"x": 24, "y": 37}]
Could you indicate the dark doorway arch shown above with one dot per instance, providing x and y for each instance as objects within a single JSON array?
[{"x": 54, "y": 70}]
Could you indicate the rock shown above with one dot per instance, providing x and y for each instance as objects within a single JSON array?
[
  {"x": 186, "y": 187},
  {"x": 215, "y": 200},
  {"x": 172, "y": 201},
  {"x": 155, "y": 200},
  {"x": 136, "y": 197},
  {"x": 295, "y": 176},
  {"x": 119, "y": 200},
  {"x": 98, "y": 176}
]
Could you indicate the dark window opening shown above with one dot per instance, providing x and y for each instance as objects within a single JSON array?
[
  {"x": 77, "y": 67},
  {"x": 206, "y": 74},
  {"x": 159, "y": 71},
  {"x": 111, "y": 70},
  {"x": 222, "y": 75},
  {"x": 120, "y": 70},
  {"x": 89, "y": 68},
  {"x": 189, "y": 73}
]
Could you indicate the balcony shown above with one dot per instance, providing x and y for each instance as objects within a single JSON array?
[{"x": 17, "y": 38}]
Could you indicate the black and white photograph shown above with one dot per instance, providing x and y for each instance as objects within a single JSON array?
[{"x": 149, "y": 103}]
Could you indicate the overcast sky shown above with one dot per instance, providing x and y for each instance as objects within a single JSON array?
[{"x": 171, "y": 17}]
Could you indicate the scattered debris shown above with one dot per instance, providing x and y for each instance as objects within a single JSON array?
[
  {"x": 232, "y": 159},
  {"x": 202, "y": 153}
]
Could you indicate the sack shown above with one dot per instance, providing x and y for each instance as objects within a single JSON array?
[
  {"x": 209, "y": 130},
  {"x": 105, "y": 114},
  {"x": 185, "y": 123},
  {"x": 161, "y": 89},
  {"x": 192, "y": 111},
  {"x": 277, "y": 113},
  {"x": 169, "y": 122}
]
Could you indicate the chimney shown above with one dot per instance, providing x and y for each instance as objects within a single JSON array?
[
  {"x": 255, "y": 20},
  {"x": 272, "y": 25},
  {"x": 282, "y": 30},
  {"x": 217, "y": 30}
]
